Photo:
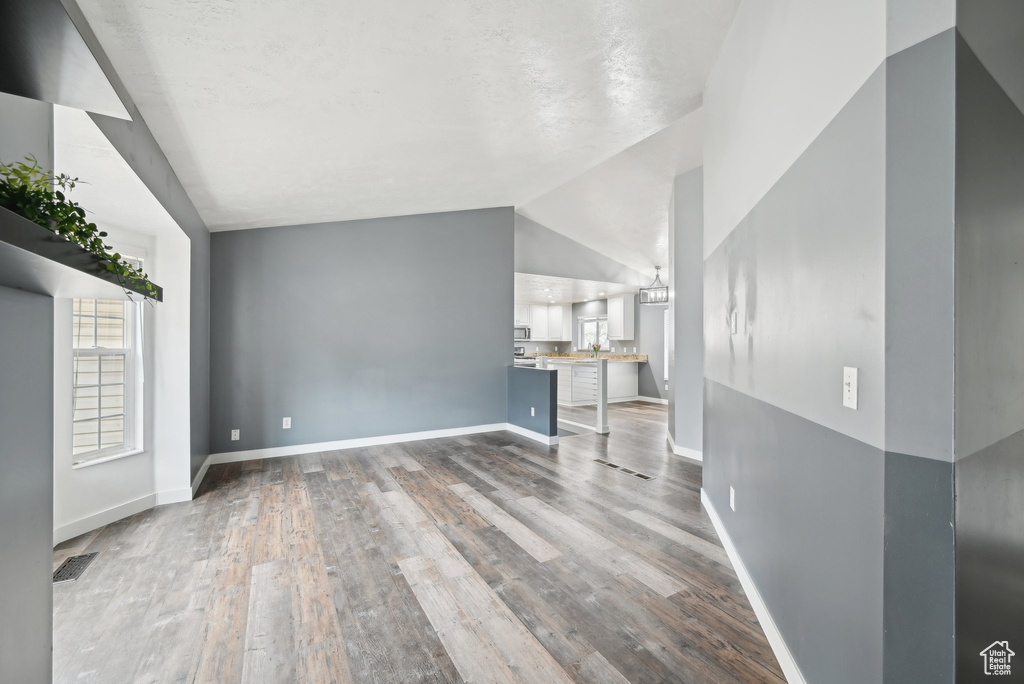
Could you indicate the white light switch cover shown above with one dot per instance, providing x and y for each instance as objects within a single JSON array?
[
  {"x": 850, "y": 387},
  {"x": 236, "y": 435},
  {"x": 286, "y": 423}
]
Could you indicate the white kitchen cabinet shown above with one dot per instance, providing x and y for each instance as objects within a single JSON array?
[
  {"x": 522, "y": 314},
  {"x": 620, "y": 317},
  {"x": 555, "y": 314},
  {"x": 567, "y": 324},
  {"x": 538, "y": 322}
]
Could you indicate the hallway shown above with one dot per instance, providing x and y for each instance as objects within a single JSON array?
[{"x": 479, "y": 558}]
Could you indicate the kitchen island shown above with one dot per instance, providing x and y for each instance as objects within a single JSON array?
[{"x": 576, "y": 377}]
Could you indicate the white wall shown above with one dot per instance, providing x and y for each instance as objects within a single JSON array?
[
  {"x": 93, "y": 495},
  {"x": 786, "y": 69}
]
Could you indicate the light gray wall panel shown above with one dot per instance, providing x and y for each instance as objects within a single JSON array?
[
  {"x": 805, "y": 272},
  {"x": 651, "y": 341},
  {"x": 808, "y": 525},
  {"x": 347, "y": 327},
  {"x": 26, "y": 484},
  {"x": 919, "y": 241},
  {"x": 687, "y": 275},
  {"x": 542, "y": 251}
]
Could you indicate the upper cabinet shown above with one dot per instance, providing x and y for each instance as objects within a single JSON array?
[
  {"x": 620, "y": 318},
  {"x": 555, "y": 322},
  {"x": 538, "y": 322},
  {"x": 522, "y": 314}
]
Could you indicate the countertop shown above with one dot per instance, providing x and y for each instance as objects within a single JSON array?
[{"x": 576, "y": 357}]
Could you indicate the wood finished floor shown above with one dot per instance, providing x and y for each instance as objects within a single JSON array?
[{"x": 486, "y": 558}]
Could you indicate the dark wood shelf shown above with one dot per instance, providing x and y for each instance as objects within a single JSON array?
[{"x": 36, "y": 260}]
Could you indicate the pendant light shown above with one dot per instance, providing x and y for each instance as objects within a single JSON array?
[{"x": 655, "y": 294}]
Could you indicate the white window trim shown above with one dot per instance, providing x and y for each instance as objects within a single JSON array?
[{"x": 133, "y": 407}]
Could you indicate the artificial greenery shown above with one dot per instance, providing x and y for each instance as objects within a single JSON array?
[{"x": 41, "y": 197}]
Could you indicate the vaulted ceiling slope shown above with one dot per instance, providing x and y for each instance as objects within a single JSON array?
[{"x": 276, "y": 112}]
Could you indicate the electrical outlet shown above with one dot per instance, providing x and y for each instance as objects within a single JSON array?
[
  {"x": 634, "y": 350},
  {"x": 732, "y": 498},
  {"x": 666, "y": 387},
  {"x": 236, "y": 435},
  {"x": 533, "y": 411},
  {"x": 850, "y": 387},
  {"x": 286, "y": 423}
]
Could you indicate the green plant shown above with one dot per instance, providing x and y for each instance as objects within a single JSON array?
[{"x": 41, "y": 197}]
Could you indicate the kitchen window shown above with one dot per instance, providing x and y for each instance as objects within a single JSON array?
[
  {"x": 593, "y": 330},
  {"x": 107, "y": 368}
]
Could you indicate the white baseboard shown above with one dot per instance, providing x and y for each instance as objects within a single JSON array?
[
  {"x": 786, "y": 661},
  {"x": 173, "y": 496},
  {"x": 91, "y": 522},
  {"x": 653, "y": 400},
  {"x": 691, "y": 454},
  {"x": 298, "y": 449},
  {"x": 535, "y": 436},
  {"x": 200, "y": 475}
]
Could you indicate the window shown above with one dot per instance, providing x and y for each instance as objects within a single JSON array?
[
  {"x": 106, "y": 397},
  {"x": 594, "y": 329}
]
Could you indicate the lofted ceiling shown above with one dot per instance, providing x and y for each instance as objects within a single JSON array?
[
  {"x": 537, "y": 289},
  {"x": 620, "y": 207},
  {"x": 276, "y": 113}
]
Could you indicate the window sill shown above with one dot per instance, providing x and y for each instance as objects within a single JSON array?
[{"x": 107, "y": 458}]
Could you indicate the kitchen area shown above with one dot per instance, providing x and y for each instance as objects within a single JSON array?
[{"x": 557, "y": 322}]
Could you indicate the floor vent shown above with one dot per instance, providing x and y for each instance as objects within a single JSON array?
[
  {"x": 73, "y": 567},
  {"x": 622, "y": 469}
]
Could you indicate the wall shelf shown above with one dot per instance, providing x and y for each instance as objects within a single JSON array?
[{"x": 35, "y": 260}]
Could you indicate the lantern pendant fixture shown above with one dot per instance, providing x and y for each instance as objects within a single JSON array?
[{"x": 655, "y": 294}]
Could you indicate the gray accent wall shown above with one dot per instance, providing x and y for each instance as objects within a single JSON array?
[
  {"x": 26, "y": 486},
  {"x": 136, "y": 144},
  {"x": 989, "y": 330},
  {"x": 686, "y": 290},
  {"x": 346, "y": 327},
  {"x": 536, "y": 389},
  {"x": 26, "y": 436}
]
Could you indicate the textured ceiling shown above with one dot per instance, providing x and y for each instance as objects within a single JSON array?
[
  {"x": 620, "y": 207},
  {"x": 278, "y": 112},
  {"x": 536, "y": 289}
]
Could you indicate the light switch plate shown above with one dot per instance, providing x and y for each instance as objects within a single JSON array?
[
  {"x": 286, "y": 423},
  {"x": 533, "y": 411},
  {"x": 850, "y": 387},
  {"x": 236, "y": 435}
]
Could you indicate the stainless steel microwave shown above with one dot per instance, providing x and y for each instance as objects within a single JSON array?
[{"x": 520, "y": 333}]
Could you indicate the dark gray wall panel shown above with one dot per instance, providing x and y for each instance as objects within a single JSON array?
[
  {"x": 919, "y": 570},
  {"x": 347, "y": 327},
  {"x": 26, "y": 485},
  {"x": 919, "y": 240},
  {"x": 686, "y": 375},
  {"x": 994, "y": 29},
  {"x": 990, "y": 554},
  {"x": 805, "y": 272},
  {"x": 134, "y": 141},
  {"x": 537, "y": 389},
  {"x": 989, "y": 254},
  {"x": 808, "y": 525},
  {"x": 989, "y": 364}
]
